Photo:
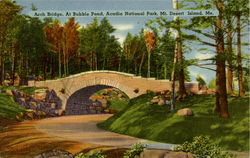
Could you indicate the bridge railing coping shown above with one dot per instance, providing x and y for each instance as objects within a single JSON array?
[{"x": 104, "y": 71}]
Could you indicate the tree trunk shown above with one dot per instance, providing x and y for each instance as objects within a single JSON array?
[
  {"x": 13, "y": 68},
  {"x": 239, "y": 58},
  {"x": 2, "y": 70},
  {"x": 182, "y": 89},
  {"x": 141, "y": 63},
  {"x": 148, "y": 73},
  {"x": 59, "y": 65},
  {"x": 91, "y": 65},
  {"x": 230, "y": 66},
  {"x": 165, "y": 70},
  {"x": 217, "y": 95},
  {"x": 220, "y": 62}
]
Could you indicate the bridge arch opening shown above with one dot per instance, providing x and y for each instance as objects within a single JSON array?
[{"x": 81, "y": 103}]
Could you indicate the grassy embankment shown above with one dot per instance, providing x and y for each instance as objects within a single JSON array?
[
  {"x": 9, "y": 109},
  {"x": 153, "y": 122}
]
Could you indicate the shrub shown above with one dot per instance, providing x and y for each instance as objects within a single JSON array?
[
  {"x": 97, "y": 154},
  {"x": 135, "y": 150},
  {"x": 202, "y": 147}
]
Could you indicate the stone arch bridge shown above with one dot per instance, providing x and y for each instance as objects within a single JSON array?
[{"x": 88, "y": 83}]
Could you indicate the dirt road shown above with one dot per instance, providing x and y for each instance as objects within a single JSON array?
[{"x": 83, "y": 129}]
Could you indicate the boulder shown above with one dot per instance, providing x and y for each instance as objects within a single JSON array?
[
  {"x": 53, "y": 105},
  {"x": 55, "y": 154},
  {"x": 30, "y": 115},
  {"x": 120, "y": 95},
  {"x": 106, "y": 110},
  {"x": 95, "y": 97},
  {"x": 104, "y": 103},
  {"x": 40, "y": 94},
  {"x": 18, "y": 118},
  {"x": 185, "y": 112},
  {"x": 33, "y": 105},
  {"x": 113, "y": 111},
  {"x": 161, "y": 102},
  {"x": 211, "y": 91},
  {"x": 204, "y": 87},
  {"x": 202, "y": 92},
  {"x": 9, "y": 92},
  {"x": 155, "y": 101},
  {"x": 153, "y": 153},
  {"x": 178, "y": 155},
  {"x": 60, "y": 112},
  {"x": 17, "y": 80},
  {"x": 6, "y": 82}
]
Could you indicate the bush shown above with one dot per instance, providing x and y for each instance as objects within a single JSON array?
[
  {"x": 97, "y": 154},
  {"x": 202, "y": 147},
  {"x": 136, "y": 150}
]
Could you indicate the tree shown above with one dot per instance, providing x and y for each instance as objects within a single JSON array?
[
  {"x": 8, "y": 11},
  {"x": 54, "y": 36},
  {"x": 200, "y": 80},
  {"x": 98, "y": 46},
  {"x": 214, "y": 24},
  {"x": 150, "y": 44},
  {"x": 70, "y": 42}
]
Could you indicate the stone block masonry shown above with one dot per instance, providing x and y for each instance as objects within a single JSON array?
[{"x": 130, "y": 84}]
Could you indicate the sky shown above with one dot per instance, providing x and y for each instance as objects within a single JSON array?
[{"x": 123, "y": 25}]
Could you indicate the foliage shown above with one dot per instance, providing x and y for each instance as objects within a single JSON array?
[
  {"x": 202, "y": 147},
  {"x": 136, "y": 150},
  {"x": 157, "y": 123},
  {"x": 200, "y": 80},
  {"x": 9, "y": 109},
  {"x": 211, "y": 84},
  {"x": 97, "y": 154}
]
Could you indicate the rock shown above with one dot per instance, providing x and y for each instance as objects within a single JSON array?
[
  {"x": 33, "y": 105},
  {"x": 120, "y": 95},
  {"x": 6, "y": 82},
  {"x": 95, "y": 97},
  {"x": 156, "y": 97},
  {"x": 155, "y": 101},
  {"x": 106, "y": 110},
  {"x": 40, "y": 94},
  {"x": 113, "y": 111},
  {"x": 185, "y": 112},
  {"x": 204, "y": 87},
  {"x": 178, "y": 155},
  {"x": 17, "y": 80},
  {"x": 41, "y": 114},
  {"x": 30, "y": 115},
  {"x": 53, "y": 105},
  {"x": 161, "y": 102},
  {"x": 153, "y": 153},
  {"x": 18, "y": 118},
  {"x": 9, "y": 92},
  {"x": 55, "y": 154},
  {"x": 211, "y": 91},
  {"x": 104, "y": 103},
  {"x": 60, "y": 112},
  {"x": 202, "y": 92}
]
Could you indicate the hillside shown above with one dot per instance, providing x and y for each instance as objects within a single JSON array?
[{"x": 154, "y": 122}]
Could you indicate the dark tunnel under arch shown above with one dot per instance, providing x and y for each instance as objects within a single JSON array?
[{"x": 80, "y": 104}]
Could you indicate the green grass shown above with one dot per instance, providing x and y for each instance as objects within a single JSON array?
[
  {"x": 28, "y": 90},
  {"x": 118, "y": 105},
  {"x": 154, "y": 122},
  {"x": 9, "y": 109},
  {"x": 115, "y": 103}
]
